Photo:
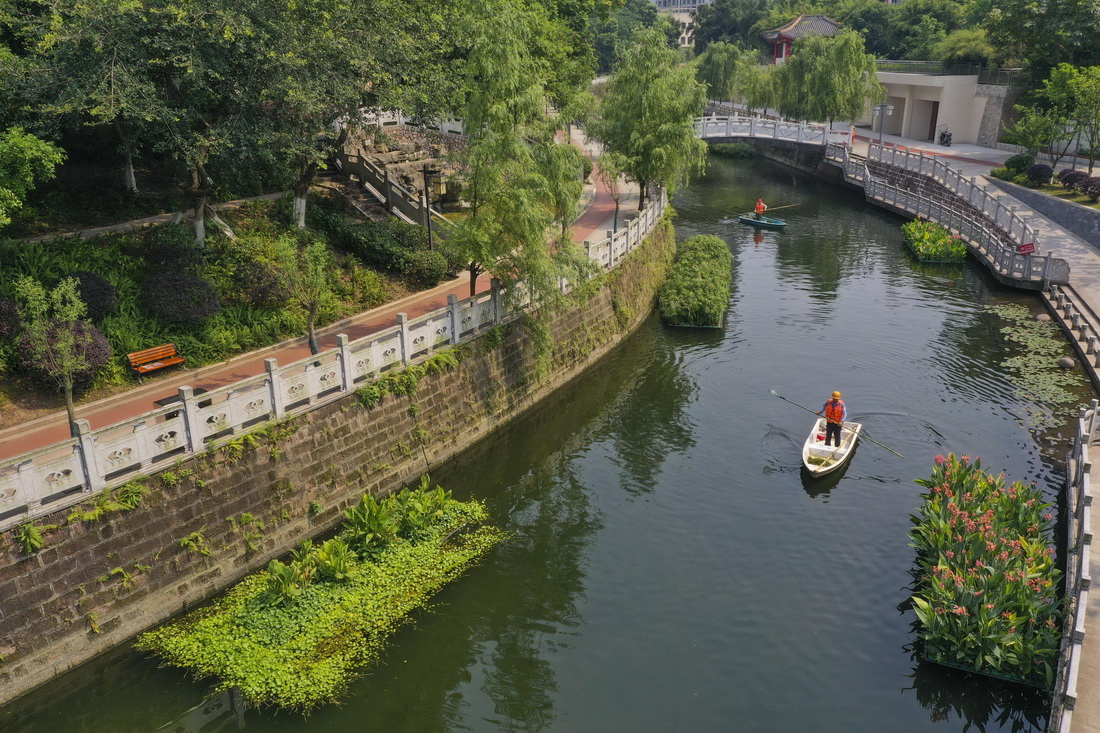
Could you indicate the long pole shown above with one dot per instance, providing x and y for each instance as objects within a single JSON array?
[
  {"x": 861, "y": 434},
  {"x": 786, "y": 206}
]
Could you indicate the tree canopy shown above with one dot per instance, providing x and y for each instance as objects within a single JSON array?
[
  {"x": 827, "y": 79},
  {"x": 648, "y": 116}
]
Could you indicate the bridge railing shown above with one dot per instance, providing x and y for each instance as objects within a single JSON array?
[
  {"x": 959, "y": 184},
  {"x": 758, "y": 127},
  {"x": 989, "y": 240},
  {"x": 74, "y": 470},
  {"x": 1078, "y": 513}
]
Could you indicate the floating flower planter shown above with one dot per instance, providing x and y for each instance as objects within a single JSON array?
[
  {"x": 294, "y": 635},
  {"x": 932, "y": 243},
  {"x": 987, "y": 598}
]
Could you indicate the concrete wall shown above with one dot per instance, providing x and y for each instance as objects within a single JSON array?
[
  {"x": 961, "y": 107},
  {"x": 63, "y": 605},
  {"x": 989, "y": 129},
  {"x": 1081, "y": 220}
]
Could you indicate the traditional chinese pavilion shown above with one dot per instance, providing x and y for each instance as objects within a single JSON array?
[{"x": 781, "y": 39}]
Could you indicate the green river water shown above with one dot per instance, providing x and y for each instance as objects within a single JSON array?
[{"x": 671, "y": 569}]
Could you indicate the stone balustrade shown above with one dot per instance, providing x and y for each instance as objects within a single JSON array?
[
  {"x": 993, "y": 232},
  {"x": 1078, "y": 513},
  {"x": 74, "y": 470},
  {"x": 758, "y": 127}
]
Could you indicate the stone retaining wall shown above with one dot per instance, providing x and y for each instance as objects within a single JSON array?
[
  {"x": 96, "y": 584},
  {"x": 1081, "y": 220}
]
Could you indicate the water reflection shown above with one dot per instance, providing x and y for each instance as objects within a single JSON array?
[{"x": 976, "y": 702}]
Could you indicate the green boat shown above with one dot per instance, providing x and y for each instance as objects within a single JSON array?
[{"x": 768, "y": 222}]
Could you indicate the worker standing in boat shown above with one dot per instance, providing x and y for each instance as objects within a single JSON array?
[
  {"x": 835, "y": 413},
  {"x": 761, "y": 207}
]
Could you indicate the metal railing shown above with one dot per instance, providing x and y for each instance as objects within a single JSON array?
[
  {"x": 765, "y": 128},
  {"x": 74, "y": 470},
  {"x": 1078, "y": 512},
  {"x": 992, "y": 231},
  {"x": 928, "y": 68}
]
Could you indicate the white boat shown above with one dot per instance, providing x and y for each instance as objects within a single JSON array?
[{"x": 820, "y": 459}]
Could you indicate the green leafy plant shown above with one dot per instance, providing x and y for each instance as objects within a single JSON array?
[
  {"x": 29, "y": 537},
  {"x": 294, "y": 634},
  {"x": 932, "y": 242},
  {"x": 127, "y": 578},
  {"x": 987, "y": 598},
  {"x": 196, "y": 543},
  {"x": 315, "y": 508}
]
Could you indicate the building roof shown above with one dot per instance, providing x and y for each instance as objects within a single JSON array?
[{"x": 804, "y": 25}]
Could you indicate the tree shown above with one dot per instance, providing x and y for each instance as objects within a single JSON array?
[
  {"x": 24, "y": 159},
  {"x": 1038, "y": 130},
  {"x": 732, "y": 21},
  {"x": 515, "y": 183},
  {"x": 615, "y": 33},
  {"x": 827, "y": 79},
  {"x": 609, "y": 171},
  {"x": 648, "y": 116},
  {"x": 89, "y": 59},
  {"x": 60, "y": 343},
  {"x": 1076, "y": 93},
  {"x": 1045, "y": 35},
  {"x": 308, "y": 272},
  {"x": 966, "y": 45},
  {"x": 729, "y": 71}
]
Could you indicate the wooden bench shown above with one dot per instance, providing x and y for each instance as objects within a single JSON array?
[{"x": 150, "y": 360}]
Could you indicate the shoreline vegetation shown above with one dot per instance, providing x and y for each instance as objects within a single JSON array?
[
  {"x": 696, "y": 292},
  {"x": 987, "y": 597},
  {"x": 296, "y": 634}
]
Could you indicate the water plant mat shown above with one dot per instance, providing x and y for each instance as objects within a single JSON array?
[
  {"x": 303, "y": 652},
  {"x": 984, "y": 673}
]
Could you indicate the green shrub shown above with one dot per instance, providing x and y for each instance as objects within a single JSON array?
[
  {"x": 1019, "y": 163},
  {"x": 586, "y": 168},
  {"x": 697, "y": 289},
  {"x": 180, "y": 297},
  {"x": 737, "y": 151},
  {"x": 87, "y": 339},
  {"x": 98, "y": 295},
  {"x": 424, "y": 269}
]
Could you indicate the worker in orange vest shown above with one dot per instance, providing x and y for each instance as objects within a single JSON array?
[
  {"x": 835, "y": 412},
  {"x": 761, "y": 207}
]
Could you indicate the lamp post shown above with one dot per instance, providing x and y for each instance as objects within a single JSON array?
[
  {"x": 429, "y": 173},
  {"x": 881, "y": 111}
]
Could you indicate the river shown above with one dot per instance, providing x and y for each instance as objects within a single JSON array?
[{"x": 670, "y": 568}]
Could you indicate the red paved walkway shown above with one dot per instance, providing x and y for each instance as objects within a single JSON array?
[{"x": 54, "y": 428}]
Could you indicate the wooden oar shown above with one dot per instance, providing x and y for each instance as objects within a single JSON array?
[{"x": 862, "y": 434}]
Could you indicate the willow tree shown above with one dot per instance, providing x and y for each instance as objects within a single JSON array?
[
  {"x": 828, "y": 79},
  {"x": 648, "y": 115},
  {"x": 514, "y": 181},
  {"x": 725, "y": 68}
]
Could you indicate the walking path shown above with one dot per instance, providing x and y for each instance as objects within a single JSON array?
[{"x": 54, "y": 428}]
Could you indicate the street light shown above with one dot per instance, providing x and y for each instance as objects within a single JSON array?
[
  {"x": 881, "y": 111},
  {"x": 429, "y": 174}
]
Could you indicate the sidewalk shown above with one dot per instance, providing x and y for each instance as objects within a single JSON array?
[{"x": 45, "y": 431}]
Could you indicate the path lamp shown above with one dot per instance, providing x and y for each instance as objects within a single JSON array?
[
  {"x": 432, "y": 183},
  {"x": 881, "y": 111}
]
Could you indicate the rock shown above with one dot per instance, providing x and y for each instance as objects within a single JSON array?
[
  {"x": 1067, "y": 363},
  {"x": 1043, "y": 318}
]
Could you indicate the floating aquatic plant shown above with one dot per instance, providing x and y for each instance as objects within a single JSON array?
[{"x": 1040, "y": 383}]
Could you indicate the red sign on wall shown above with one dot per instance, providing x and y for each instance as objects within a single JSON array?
[{"x": 1026, "y": 249}]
